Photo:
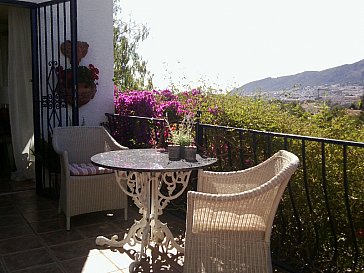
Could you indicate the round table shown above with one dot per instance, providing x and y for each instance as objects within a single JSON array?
[{"x": 152, "y": 180}]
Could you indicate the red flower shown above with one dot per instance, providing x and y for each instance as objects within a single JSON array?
[{"x": 86, "y": 74}]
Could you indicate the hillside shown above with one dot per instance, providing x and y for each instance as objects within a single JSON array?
[{"x": 348, "y": 73}]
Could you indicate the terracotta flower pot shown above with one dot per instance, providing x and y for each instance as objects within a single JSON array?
[
  {"x": 82, "y": 49},
  {"x": 85, "y": 94}
]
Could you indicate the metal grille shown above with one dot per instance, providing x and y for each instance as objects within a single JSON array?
[
  {"x": 53, "y": 23},
  {"x": 318, "y": 222}
]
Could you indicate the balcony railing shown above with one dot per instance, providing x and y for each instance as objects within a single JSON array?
[{"x": 319, "y": 226}]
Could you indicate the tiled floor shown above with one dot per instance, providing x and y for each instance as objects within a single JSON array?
[
  {"x": 33, "y": 239},
  {"x": 7, "y": 185}
]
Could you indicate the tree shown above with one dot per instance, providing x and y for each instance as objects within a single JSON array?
[
  {"x": 361, "y": 103},
  {"x": 130, "y": 70}
]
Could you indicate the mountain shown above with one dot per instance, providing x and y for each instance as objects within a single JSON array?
[{"x": 347, "y": 73}]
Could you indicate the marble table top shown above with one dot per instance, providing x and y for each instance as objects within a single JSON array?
[{"x": 147, "y": 160}]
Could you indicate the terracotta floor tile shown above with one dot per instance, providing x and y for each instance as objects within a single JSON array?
[
  {"x": 2, "y": 269},
  {"x": 156, "y": 261},
  {"x": 31, "y": 196},
  {"x": 74, "y": 265},
  {"x": 26, "y": 195},
  {"x": 28, "y": 222},
  {"x": 74, "y": 250},
  {"x": 133, "y": 215},
  {"x": 5, "y": 201},
  {"x": 120, "y": 257},
  {"x": 28, "y": 201},
  {"x": 92, "y": 264},
  {"x": 154, "y": 266},
  {"x": 86, "y": 219},
  {"x": 97, "y": 217},
  {"x": 60, "y": 237},
  {"x": 10, "y": 210},
  {"x": 49, "y": 268},
  {"x": 22, "y": 185},
  {"x": 43, "y": 215},
  {"x": 19, "y": 244},
  {"x": 14, "y": 231},
  {"x": 5, "y": 188},
  {"x": 37, "y": 205},
  {"x": 49, "y": 225},
  {"x": 104, "y": 229},
  {"x": 11, "y": 219},
  {"x": 27, "y": 259}
]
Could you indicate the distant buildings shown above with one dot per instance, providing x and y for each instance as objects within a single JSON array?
[{"x": 339, "y": 94}]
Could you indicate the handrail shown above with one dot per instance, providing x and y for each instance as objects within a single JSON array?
[
  {"x": 135, "y": 117},
  {"x": 310, "y": 138},
  {"x": 318, "y": 226}
]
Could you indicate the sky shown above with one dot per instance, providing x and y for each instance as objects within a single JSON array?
[{"x": 227, "y": 43}]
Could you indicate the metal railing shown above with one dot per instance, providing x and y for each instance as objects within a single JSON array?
[
  {"x": 135, "y": 131},
  {"x": 319, "y": 223},
  {"x": 319, "y": 226}
]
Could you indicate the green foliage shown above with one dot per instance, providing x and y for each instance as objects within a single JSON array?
[
  {"x": 130, "y": 70},
  {"x": 183, "y": 135},
  {"x": 275, "y": 116},
  {"x": 303, "y": 229},
  {"x": 302, "y": 236},
  {"x": 181, "y": 138},
  {"x": 303, "y": 233}
]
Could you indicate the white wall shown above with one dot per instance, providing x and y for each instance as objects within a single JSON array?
[{"x": 95, "y": 26}]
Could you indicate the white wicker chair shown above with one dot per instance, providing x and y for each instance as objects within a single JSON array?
[
  {"x": 229, "y": 219},
  {"x": 90, "y": 193}
]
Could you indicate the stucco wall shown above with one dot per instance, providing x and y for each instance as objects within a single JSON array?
[{"x": 95, "y": 26}]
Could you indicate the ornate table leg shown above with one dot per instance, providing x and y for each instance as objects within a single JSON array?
[
  {"x": 139, "y": 190},
  {"x": 145, "y": 190},
  {"x": 175, "y": 184}
]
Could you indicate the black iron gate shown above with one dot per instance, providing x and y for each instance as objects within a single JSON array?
[{"x": 53, "y": 23}]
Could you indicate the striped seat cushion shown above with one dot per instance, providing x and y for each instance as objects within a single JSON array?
[{"x": 87, "y": 169}]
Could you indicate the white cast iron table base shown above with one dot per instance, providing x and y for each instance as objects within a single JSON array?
[{"x": 145, "y": 190}]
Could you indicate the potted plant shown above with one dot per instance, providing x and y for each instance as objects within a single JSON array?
[
  {"x": 181, "y": 140},
  {"x": 86, "y": 75}
]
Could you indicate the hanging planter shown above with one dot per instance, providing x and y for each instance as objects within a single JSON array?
[
  {"x": 86, "y": 76},
  {"x": 82, "y": 49},
  {"x": 86, "y": 92}
]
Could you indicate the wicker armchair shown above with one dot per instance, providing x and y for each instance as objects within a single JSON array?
[
  {"x": 229, "y": 219},
  {"x": 81, "y": 194}
]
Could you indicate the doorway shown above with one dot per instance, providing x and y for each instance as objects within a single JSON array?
[
  {"x": 35, "y": 33},
  {"x": 16, "y": 103}
]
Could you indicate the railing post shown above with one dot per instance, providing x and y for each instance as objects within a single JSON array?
[
  {"x": 74, "y": 63},
  {"x": 199, "y": 131}
]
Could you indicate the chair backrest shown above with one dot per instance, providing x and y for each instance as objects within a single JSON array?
[
  {"x": 82, "y": 142},
  {"x": 243, "y": 180},
  {"x": 259, "y": 188}
]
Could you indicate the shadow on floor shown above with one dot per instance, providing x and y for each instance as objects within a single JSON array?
[
  {"x": 33, "y": 239},
  {"x": 8, "y": 186}
]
